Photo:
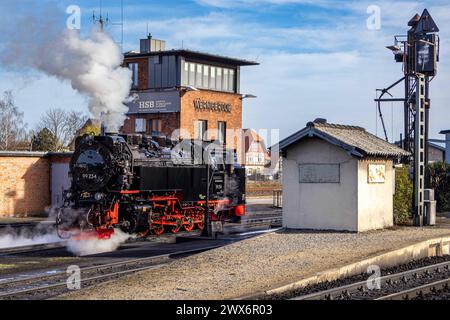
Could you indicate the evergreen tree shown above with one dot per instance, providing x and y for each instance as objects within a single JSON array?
[{"x": 45, "y": 140}]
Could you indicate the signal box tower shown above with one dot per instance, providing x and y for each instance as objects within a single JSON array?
[{"x": 418, "y": 51}]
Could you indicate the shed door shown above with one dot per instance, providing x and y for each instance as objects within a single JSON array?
[{"x": 60, "y": 182}]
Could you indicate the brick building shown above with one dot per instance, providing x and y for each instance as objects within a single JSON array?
[
  {"x": 185, "y": 94},
  {"x": 32, "y": 182}
]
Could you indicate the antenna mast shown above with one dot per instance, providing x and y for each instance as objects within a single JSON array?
[
  {"x": 103, "y": 22},
  {"x": 99, "y": 19}
]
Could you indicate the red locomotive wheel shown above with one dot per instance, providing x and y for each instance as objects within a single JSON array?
[
  {"x": 158, "y": 229},
  {"x": 144, "y": 233},
  {"x": 201, "y": 225},
  {"x": 200, "y": 215},
  {"x": 175, "y": 229},
  {"x": 189, "y": 225}
]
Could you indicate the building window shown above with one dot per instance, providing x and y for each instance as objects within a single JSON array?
[
  {"x": 191, "y": 80},
  {"x": 206, "y": 76},
  {"x": 212, "y": 82},
  {"x": 155, "y": 127},
  {"x": 186, "y": 73},
  {"x": 134, "y": 67},
  {"x": 199, "y": 76},
  {"x": 222, "y": 131},
  {"x": 201, "y": 128},
  {"x": 140, "y": 126},
  {"x": 219, "y": 79},
  {"x": 225, "y": 80},
  {"x": 231, "y": 80},
  {"x": 209, "y": 77}
]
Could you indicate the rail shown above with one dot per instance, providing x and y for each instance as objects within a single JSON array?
[
  {"x": 392, "y": 286},
  {"x": 49, "y": 285}
]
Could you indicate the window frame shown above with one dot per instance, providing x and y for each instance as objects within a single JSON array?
[
  {"x": 201, "y": 129},
  {"x": 142, "y": 124},
  {"x": 222, "y": 134},
  {"x": 134, "y": 67},
  {"x": 209, "y": 77},
  {"x": 158, "y": 126}
]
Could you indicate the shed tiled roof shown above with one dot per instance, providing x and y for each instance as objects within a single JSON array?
[{"x": 355, "y": 140}]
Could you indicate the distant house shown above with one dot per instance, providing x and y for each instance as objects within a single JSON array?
[
  {"x": 256, "y": 154},
  {"x": 436, "y": 153},
  {"x": 447, "y": 145}
]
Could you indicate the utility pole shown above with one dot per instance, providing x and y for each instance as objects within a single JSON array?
[
  {"x": 418, "y": 51},
  {"x": 207, "y": 232}
]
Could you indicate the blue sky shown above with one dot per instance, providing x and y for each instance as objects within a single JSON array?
[{"x": 318, "y": 58}]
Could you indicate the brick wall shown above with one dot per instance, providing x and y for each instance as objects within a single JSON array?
[
  {"x": 25, "y": 185},
  {"x": 142, "y": 71},
  {"x": 188, "y": 115},
  {"x": 233, "y": 119},
  {"x": 169, "y": 122}
]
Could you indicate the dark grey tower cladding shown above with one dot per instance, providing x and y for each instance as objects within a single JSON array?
[{"x": 418, "y": 51}]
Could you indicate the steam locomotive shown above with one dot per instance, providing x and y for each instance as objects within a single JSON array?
[{"x": 143, "y": 184}]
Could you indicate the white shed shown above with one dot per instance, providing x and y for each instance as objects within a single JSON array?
[{"x": 338, "y": 177}]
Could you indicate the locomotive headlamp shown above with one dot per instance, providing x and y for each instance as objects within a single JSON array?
[{"x": 98, "y": 196}]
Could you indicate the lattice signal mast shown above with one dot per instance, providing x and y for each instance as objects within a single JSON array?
[{"x": 418, "y": 51}]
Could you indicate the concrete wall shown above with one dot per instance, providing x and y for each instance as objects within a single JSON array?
[
  {"x": 25, "y": 185},
  {"x": 320, "y": 206},
  {"x": 375, "y": 200},
  {"x": 354, "y": 204}
]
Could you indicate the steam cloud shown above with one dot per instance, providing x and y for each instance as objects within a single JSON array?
[
  {"x": 10, "y": 238},
  {"x": 90, "y": 246},
  {"x": 40, "y": 42}
]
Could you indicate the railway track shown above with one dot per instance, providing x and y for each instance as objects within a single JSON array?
[
  {"x": 28, "y": 225},
  {"x": 425, "y": 292},
  {"x": 32, "y": 248},
  {"x": 411, "y": 284},
  {"x": 50, "y": 285},
  {"x": 259, "y": 220}
]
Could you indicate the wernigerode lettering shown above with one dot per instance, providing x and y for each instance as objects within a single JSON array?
[{"x": 212, "y": 106}]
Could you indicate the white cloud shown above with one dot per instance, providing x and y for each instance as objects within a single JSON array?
[
  {"x": 330, "y": 71},
  {"x": 250, "y": 3}
]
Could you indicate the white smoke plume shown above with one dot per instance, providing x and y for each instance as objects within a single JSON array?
[
  {"x": 10, "y": 238},
  {"x": 93, "y": 245},
  {"x": 92, "y": 65}
]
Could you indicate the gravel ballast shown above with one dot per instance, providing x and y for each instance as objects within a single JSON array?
[{"x": 254, "y": 265}]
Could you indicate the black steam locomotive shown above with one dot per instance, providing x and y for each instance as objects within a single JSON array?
[{"x": 144, "y": 184}]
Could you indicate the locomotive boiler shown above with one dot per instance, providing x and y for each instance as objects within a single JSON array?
[{"x": 144, "y": 184}]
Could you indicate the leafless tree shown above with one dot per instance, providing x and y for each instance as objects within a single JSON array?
[
  {"x": 62, "y": 124},
  {"x": 12, "y": 127}
]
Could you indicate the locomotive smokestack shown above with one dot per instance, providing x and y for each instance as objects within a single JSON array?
[{"x": 103, "y": 129}]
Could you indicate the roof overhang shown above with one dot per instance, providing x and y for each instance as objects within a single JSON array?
[
  {"x": 311, "y": 132},
  {"x": 197, "y": 55}
]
